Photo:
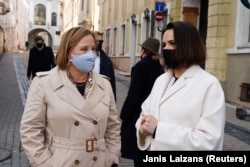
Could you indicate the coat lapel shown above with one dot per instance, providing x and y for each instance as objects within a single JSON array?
[
  {"x": 96, "y": 93},
  {"x": 180, "y": 83},
  {"x": 66, "y": 91}
]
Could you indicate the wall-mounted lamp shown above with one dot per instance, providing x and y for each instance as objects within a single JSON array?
[
  {"x": 147, "y": 14},
  {"x": 133, "y": 18}
]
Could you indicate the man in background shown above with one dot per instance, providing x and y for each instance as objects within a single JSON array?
[
  {"x": 41, "y": 58},
  {"x": 103, "y": 64},
  {"x": 27, "y": 45}
]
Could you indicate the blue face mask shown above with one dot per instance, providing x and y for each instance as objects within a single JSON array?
[{"x": 84, "y": 62}]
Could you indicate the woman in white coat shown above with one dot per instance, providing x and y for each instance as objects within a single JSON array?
[
  {"x": 70, "y": 118},
  {"x": 186, "y": 107}
]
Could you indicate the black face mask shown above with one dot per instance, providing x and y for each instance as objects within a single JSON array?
[
  {"x": 39, "y": 45},
  {"x": 168, "y": 58}
]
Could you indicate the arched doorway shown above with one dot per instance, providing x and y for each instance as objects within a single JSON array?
[{"x": 45, "y": 34}]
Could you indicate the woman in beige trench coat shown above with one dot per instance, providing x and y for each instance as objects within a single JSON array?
[{"x": 70, "y": 118}]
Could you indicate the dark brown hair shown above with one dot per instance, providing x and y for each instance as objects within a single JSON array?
[
  {"x": 189, "y": 46},
  {"x": 39, "y": 38}
]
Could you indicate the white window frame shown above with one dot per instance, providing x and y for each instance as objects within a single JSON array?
[
  {"x": 242, "y": 31},
  {"x": 145, "y": 27},
  {"x": 122, "y": 39}
]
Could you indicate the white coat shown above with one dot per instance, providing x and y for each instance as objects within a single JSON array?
[
  {"x": 190, "y": 113},
  {"x": 61, "y": 128}
]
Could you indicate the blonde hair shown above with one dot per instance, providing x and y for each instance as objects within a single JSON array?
[{"x": 68, "y": 42}]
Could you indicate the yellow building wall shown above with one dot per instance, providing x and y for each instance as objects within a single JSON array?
[
  {"x": 175, "y": 13},
  {"x": 217, "y": 37},
  {"x": 232, "y": 22}
]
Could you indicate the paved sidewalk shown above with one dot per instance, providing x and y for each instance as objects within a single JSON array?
[
  {"x": 11, "y": 109},
  {"x": 14, "y": 87}
]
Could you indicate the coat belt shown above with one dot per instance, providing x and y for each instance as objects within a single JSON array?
[{"x": 88, "y": 145}]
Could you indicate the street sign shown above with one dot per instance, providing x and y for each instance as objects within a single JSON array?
[
  {"x": 158, "y": 16},
  {"x": 159, "y": 6}
]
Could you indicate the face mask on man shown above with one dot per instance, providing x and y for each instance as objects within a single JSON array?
[
  {"x": 39, "y": 45},
  {"x": 84, "y": 62},
  {"x": 168, "y": 58}
]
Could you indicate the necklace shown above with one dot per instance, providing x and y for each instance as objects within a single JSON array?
[
  {"x": 78, "y": 84},
  {"x": 82, "y": 84}
]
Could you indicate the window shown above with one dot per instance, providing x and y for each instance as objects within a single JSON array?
[
  {"x": 53, "y": 19},
  {"x": 242, "y": 26},
  {"x": 88, "y": 6},
  {"x": 1, "y": 9},
  {"x": 114, "y": 41},
  {"x": 242, "y": 31},
  {"x": 122, "y": 40},
  {"x": 40, "y": 14},
  {"x": 107, "y": 49},
  {"x": 82, "y": 6}
]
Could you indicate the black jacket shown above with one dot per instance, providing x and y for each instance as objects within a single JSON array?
[
  {"x": 143, "y": 76},
  {"x": 106, "y": 68},
  {"x": 40, "y": 60}
]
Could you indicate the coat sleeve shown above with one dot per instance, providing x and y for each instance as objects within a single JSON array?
[
  {"x": 33, "y": 124},
  {"x": 112, "y": 134},
  {"x": 106, "y": 68},
  {"x": 112, "y": 79},
  {"x": 52, "y": 58},
  {"x": 29, "y": 70}
]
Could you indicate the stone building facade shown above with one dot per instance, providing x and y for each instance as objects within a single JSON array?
[
  {"x": 45, "y": 19},
  {"x": 13, "y": 25}
]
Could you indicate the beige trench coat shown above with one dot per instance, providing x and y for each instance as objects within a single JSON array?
[{"x": 61, "y": 128}]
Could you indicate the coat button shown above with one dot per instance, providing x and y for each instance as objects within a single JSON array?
[
  {"x": 94, "y": 122},
  {"x": 76, "y": 123},
  {"x": 77, "y": 162},
  {"x": 95, "y": 158}
]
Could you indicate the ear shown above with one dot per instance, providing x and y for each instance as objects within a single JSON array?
[{"x": 69, "y": 56}]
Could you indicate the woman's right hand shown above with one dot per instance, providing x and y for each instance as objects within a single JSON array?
[{"x": 148, "y": 124}]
